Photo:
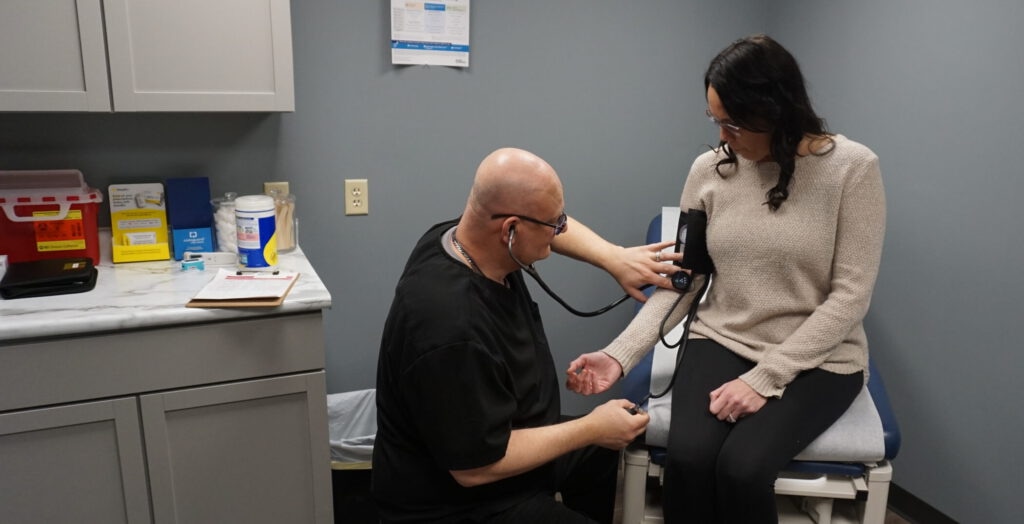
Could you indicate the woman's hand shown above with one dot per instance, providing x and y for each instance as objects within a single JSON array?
[
  {"x": 592, "y": 373},
  {"x": 735, "y": 400}
]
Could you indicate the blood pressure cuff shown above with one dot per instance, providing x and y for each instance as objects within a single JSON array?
[{"x": 41, "y": 278}]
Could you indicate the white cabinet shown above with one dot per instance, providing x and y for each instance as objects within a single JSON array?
[
  {"x": 222, "y": 421},
  {"x": 200, "y": 55},
  {"x": 185, "y": 55},
  {"x": 239, "y": 452},
  {"x": 76, "y": 463},
  {"x": 54, "y": 57}
]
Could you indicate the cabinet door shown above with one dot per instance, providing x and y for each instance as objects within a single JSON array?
[
  {"x": 54, "y": 57},
  {"x": 253, "y": 452},
  {"x": 75, "y": 463},
  {"x": 200, "y": 55}
]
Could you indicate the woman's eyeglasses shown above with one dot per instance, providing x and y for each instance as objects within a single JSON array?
[
  {"x": 558, "y": 226},
  {"x": 729, "y": 127}
]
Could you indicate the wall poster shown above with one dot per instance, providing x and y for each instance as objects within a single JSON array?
[{"x": 430, "y": 33}]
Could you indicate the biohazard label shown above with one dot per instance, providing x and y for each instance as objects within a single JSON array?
[{"x": 67, "y": 234}]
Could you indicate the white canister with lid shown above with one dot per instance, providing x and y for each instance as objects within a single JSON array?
[{"x": 255, "y": 223}]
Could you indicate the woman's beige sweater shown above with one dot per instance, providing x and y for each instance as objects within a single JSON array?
[{"x": 791, "y": 287}]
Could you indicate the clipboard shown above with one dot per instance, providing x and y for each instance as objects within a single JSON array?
[{"x": 245, "y": 289}]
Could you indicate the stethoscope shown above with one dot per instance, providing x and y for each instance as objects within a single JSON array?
[
  {"x": 529, "y": 269},
  {"x": 681, "y": 283}
]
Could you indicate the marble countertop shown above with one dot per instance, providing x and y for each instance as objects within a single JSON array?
[{"x": 146, "y": 294}]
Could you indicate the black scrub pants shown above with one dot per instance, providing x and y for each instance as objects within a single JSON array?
[
  {"x": 585, "y": 479},
  {"x": 718, "y": 471}
]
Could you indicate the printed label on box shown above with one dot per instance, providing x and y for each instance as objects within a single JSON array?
[
  {"x": 197, "y": 240},
  {"x": 67, "y": 234}
]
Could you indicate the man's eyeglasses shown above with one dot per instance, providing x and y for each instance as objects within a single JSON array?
[
  {"x": 558, "y": 226},
  {"x": 729, "y": 127}
]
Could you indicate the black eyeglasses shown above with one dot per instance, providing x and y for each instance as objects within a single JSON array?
[{"x": 558, "y": 226}]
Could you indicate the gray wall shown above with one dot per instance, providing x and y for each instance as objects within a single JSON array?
[
  {"x": 603, "y": 91},
  {"x": 935, "y": 89},
  {"x": 610, "y": 93}
]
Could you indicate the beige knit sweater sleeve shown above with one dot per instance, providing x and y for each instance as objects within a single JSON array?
[{"x": 643, "y": 332}]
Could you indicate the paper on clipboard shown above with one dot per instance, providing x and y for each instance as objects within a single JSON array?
[{"x": 239, "y": 289}]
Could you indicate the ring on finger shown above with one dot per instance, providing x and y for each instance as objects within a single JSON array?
[
  {"x": 731, "y": 418},
  {"x": 657, "y": 256}
]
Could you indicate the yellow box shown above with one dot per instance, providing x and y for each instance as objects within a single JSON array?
[{"x": 138, "y": 222}]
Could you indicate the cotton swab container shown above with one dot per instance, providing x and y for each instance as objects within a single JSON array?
[{"x": 224, "y": 222}]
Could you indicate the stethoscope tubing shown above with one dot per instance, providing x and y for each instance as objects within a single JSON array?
[{"x": 530, "y": 270}]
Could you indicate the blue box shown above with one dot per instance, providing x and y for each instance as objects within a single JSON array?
[
  {"x": 190, "y": 214},
  {"x": 194, "y": 239}
]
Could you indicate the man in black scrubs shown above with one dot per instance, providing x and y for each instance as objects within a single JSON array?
[{"x": 469, "y": 423}]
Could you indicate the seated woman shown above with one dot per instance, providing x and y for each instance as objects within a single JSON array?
[{"x": 777, "y": 351}]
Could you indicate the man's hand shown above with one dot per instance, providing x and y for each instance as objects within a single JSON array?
[
  {"x": 609, "y": 425},
  {"x": 633, "y": 267},
  {"x": 637, "y": 267},
  {"x": 614, "y": 426}
]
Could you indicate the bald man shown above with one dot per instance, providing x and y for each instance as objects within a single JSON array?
[{"x": 469, "y": 422}]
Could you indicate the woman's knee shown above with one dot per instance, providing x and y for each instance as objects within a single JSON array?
[
  {"x": 690, "y": 463},
  {"x": 744, "y": 474}
]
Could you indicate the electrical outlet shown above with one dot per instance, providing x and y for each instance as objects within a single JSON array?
[{"x": 357, "y": 199}]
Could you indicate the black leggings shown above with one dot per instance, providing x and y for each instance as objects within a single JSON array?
[{"x": 722, "y": 472}]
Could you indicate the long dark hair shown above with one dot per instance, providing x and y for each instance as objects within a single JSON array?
[{"x": 761, "y": 87}]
